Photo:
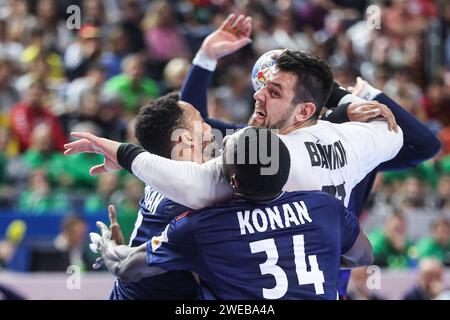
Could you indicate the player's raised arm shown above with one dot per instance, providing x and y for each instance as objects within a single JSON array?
[{"x": 232, "y": 35}]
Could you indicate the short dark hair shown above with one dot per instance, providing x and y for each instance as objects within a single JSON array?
[
  {"x": 252, "y": 182},
  {"x": 315, "y": 78},
  {"x": 155, "y": 123}
]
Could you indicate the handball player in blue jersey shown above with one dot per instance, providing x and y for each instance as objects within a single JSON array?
[
  {"x": 263, "y": 244},
  {"x": 155, "y": 124}
]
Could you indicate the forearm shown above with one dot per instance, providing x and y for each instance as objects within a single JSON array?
[
  {"x": 188, "y": 183},
  {"x": 361, "y": 253},
  {"x": 420, "y": 143},
  {"x": 195, "y": 91},
  {"x": 195, "y": 88}
]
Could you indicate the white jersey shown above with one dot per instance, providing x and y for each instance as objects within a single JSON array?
[
  {"x": 335, "y": 157},
  {"x": 326, "y": 156}
]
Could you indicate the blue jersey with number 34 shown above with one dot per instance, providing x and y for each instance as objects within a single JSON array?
[{"x": 288, "y": 248}]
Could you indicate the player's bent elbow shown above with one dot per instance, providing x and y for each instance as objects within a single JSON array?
[{"x": 435, "y": 146}]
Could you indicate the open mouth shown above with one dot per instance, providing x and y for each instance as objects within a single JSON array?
[{"x": 259, "y": 113}]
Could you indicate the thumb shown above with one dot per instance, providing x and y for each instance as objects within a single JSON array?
[
  {"x": 97, "y": 169},
  {"x": 112, "y": 214}
]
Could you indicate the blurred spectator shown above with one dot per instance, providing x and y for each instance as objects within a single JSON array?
[
  {"x": 8, "y": 94},
  {"x": 442, "y": 196},
  {"x": 31, "y": 111},
  {"x": 438, "y": 244},
  {"x": 430, "y": 282},
  {"x": 72, "y": 241},
  {"x": 41, "y": 155},
  {"x": 162, "y": 36},
  {"x": 236, "y": 95},
  {"x": 391, "y": 246},
  {"x": 94, "y": 80},
  {"x": 132, "y": 84},
  {"x": 118, "y": 48},
  {"x": 436, "y": 101},
  {"x": 132, "y": 14},
  {"x": 56, "y": 34},
  {"x": 174, "y": 74},
  {"x": 8, "y": 49},
  {"x": 21, "y": 21},
  {"x": 94, "y": 12},
  {"x": 76, "y": 167},
  {"x": 6, "y": 198},
  {"x": 128, "y": 205},
  {"x": 85, "y": 52},
  {"x": 107, "y": 184},
  {"x": 112, "y": 123},
  {"x": 52, "y": 61},
  {"x": 412, "y": 194},
  {"x": 40, "y": 198},
  {"x": 358, "y": 286}
]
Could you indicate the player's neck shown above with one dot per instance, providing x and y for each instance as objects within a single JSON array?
[
  {"x": 252, "y": 198},
  {"x": 298, "y": 125}
]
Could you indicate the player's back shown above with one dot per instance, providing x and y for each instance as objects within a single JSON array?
[
  {"x": 155, "y": 213},
  {"x": 335, "y": 157},
  {"x": 288, "y": 248}
]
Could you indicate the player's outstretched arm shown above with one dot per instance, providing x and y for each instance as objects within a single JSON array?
[
  {"x": 126, "y": 263},
  {"x": 190, "y": 184}
]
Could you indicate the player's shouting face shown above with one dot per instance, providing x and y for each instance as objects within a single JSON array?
[
  {"x": 273, "y": 107},
  {"x": 294, "y": 92}
]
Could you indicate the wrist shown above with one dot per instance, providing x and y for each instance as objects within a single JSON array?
[
  {"x": 203, "y": 60},
  {"x": 369, "y": 93},
  {"x": 336, "y": 95},
  {"x": 126, "y": 153}
]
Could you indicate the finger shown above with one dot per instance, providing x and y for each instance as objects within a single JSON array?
[
  {"x": 81, "y": 149},
  {"x": 93, "y": 247},
  {"x": 100, "y": 168},
  {"x": 99, "y": 262},
  {"x": 239, "y": 23},
  {"x": 78, "y": 143},
  {"x": 247, "y": 29},
  {"x": 112, "y": 214},
  {"x": 228, "y": 21},
  {"x": 363, "y": 105},
  {"x": 85, "y": 135},
  {"x": 387, "y": 113},
  {"x": 106, "y": 234},
  {"x": 96, "y": 242},
  {"x": 373, "y": 112},
  {"x": 350, "y": 89}
]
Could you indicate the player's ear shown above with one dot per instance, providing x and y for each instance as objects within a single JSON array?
[
  {"x": 186, "y": 138},
  {"x": 305, "y": 111}
]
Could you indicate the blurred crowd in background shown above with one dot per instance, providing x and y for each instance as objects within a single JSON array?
[{"x": 54, "y": 80}]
